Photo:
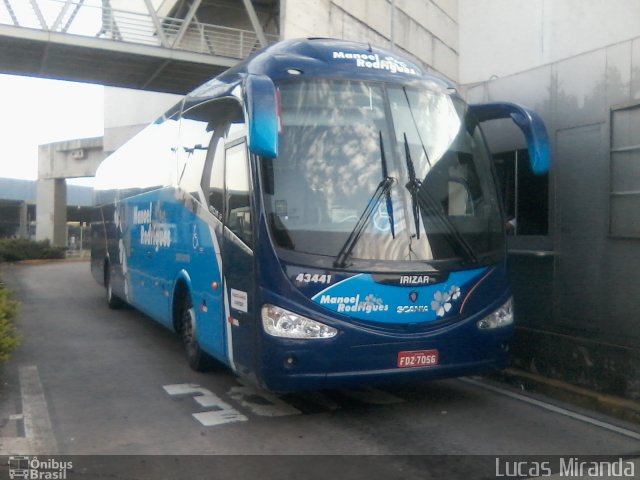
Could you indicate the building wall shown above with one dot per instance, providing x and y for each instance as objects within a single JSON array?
[
  {"x": 583, "y": 325},
  {"x": 503, "y": 37},
  {"x": 424, "y": 29}
]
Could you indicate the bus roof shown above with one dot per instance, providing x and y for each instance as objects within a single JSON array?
[{"x": 320, "y": 57}]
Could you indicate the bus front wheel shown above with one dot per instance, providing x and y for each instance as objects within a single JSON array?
[{"x": 198, "y": 360}]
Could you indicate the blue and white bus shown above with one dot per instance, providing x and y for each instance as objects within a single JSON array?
[{"x": 324, "y": 214}]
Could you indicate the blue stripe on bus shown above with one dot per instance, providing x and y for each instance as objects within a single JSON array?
[{"x": 362, "y": 298}]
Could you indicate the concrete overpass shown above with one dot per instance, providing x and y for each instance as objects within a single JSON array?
[{"x": 160, "y": 45}]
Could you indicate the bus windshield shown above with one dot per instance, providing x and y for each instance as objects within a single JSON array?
[{"x": 383, "y": 172}]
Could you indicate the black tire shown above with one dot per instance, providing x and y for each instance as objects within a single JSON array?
[
  {"x": 113, "y": 301},
  {"x": 198, "y": 360}
]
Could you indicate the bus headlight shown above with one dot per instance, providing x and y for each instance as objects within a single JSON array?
[
  {"x": 500, "y": 318},
  {"x": 283, "y": 323}
]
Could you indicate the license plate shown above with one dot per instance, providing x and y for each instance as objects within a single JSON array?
[{"x": 418, "y": 358}]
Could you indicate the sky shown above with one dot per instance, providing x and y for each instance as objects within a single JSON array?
[{"x": 39, "y": 111}]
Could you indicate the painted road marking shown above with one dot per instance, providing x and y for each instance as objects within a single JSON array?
[
  {"x": 207, "y": 401},
  {"x": 37, "y": 424},
  {"x": 226, "y": 414},
  {"x": 261, "y": 403},
  {"x": 16, "y": 445},
  {"x": 39, "y": 438},
  {"x": 221, "y": 412},
  {"x": 183, "y": 389},
  {"x": 265, "y": 404}
]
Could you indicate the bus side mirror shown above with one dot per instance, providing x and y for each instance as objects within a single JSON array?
[
  {"x": 262, "y": 109},
  {"x": 531, "y": 125}
]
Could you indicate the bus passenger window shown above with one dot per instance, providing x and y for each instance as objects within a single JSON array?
[
  {"x": 195, "y": 134},
  {"x": 238, "y": 192},
  {"x": 194, "y": 163},
  {"x": 216, "y": 185}
]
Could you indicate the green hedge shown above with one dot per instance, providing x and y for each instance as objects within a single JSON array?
[
  {"x": 9, "y": 338},
  {"x": 16, "y": 249}
]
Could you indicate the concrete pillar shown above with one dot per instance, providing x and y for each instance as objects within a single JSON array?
[
  {"x": 57, "y": 161},
  {"x": 51, "y": 211},
  {"x": 23, "y": 221}
]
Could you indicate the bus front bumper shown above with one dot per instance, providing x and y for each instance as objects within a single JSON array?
[{"x": 461, "y": 352}]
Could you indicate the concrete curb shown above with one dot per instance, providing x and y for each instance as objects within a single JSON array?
[
  {"x": 622, "y": 408},
  {"x": 39, "y": 261}
]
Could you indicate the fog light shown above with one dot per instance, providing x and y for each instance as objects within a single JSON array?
[
  {"x": 290, "y": 361},
  {"x": 503, "y": 316}
]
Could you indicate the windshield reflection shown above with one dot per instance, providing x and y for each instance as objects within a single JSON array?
[{"x": 330, "y": 165}]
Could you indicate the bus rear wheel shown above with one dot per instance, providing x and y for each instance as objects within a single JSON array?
[
  {"x": 113, "y": 301},
  {"x": 198, "y": 360}
]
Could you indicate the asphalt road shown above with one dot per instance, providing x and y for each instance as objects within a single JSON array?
[{"x": 92, "y": 381}]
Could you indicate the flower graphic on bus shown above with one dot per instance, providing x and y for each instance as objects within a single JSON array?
[
  {"x": 454, "y": 291},
  {"x": 373, "y": 300},
  {"x": 441, "y": 303}
]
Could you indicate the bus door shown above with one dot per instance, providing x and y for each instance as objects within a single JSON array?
[
  {"x": 237, "y": 251},
  {"x": 202, "y": 155}
]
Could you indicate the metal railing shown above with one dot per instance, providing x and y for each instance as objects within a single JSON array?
[{"x": 142, "y": 26}]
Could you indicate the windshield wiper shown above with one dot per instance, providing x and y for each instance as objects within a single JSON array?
[
  {"x": 415, "y": 123},
  {"x": 384, "y": 188},
  {"x": 385, "y": 176},
  {"x": 413, "y": 186},
  {"x": 422, "y": 199}
]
